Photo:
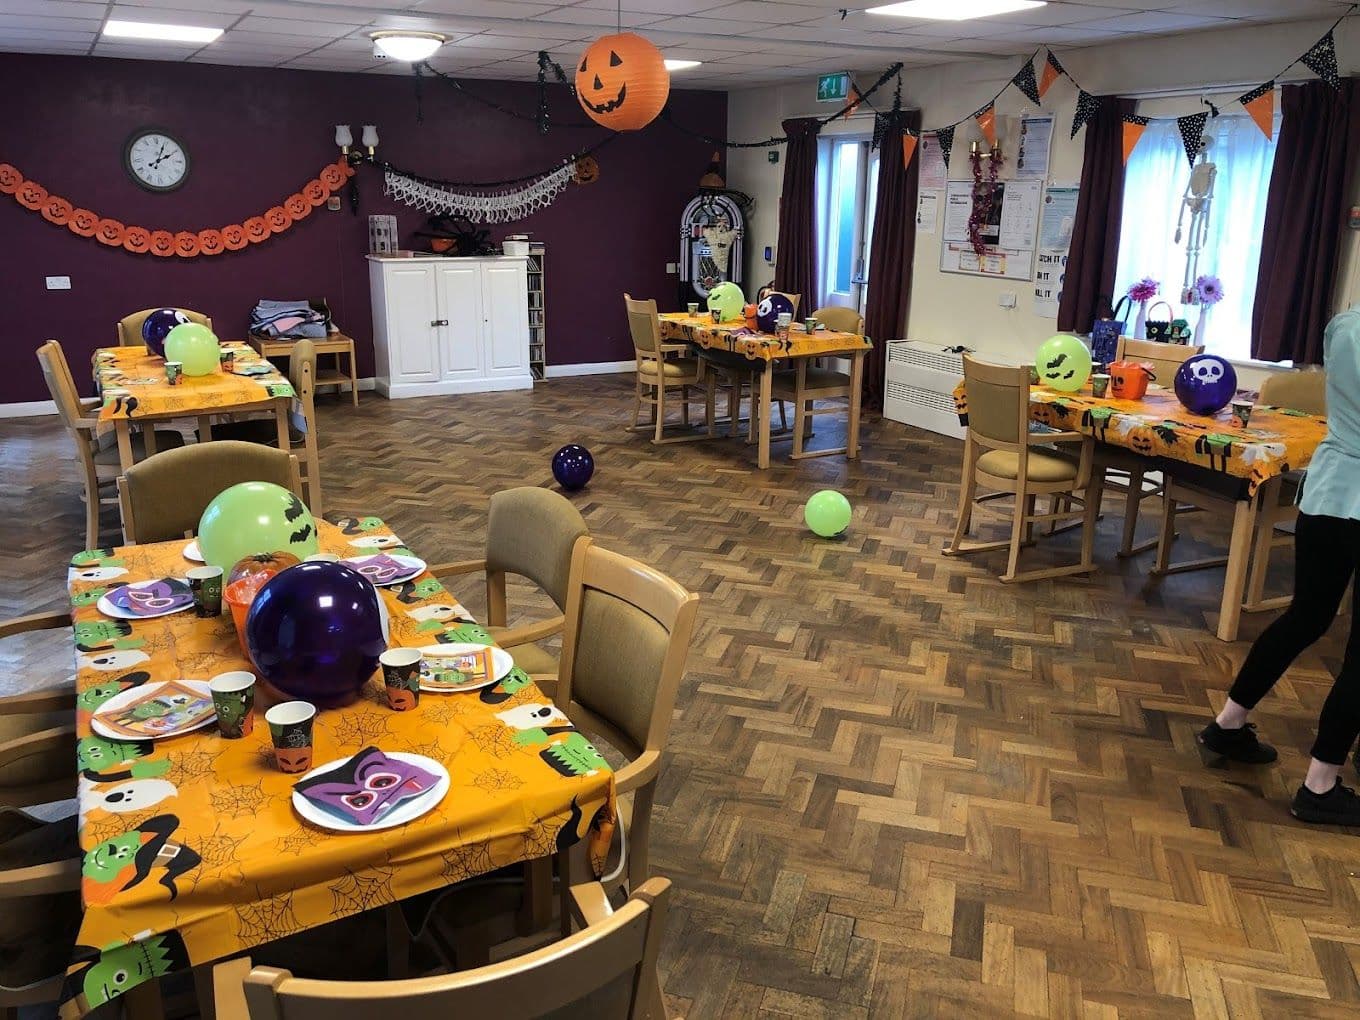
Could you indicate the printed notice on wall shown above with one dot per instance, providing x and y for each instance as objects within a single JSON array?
[
  {"x": 1007, "y": 234},
  {"x": 934, "y": 174},
  {"x": 1036, "y": 144},
  {"x": 1055, "y": 238},
  {"x": 927, "y": 212}
]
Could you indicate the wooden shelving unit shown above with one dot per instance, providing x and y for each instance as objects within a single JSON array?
[{"x": 538, "y": 327}]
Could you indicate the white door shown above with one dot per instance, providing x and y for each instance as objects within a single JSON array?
[
  {"x": 505, "y": 309},
  {"x": 459, "y": 289},
  {"x": 849, "y": 181},
  {"x": 411, "y": 311}
]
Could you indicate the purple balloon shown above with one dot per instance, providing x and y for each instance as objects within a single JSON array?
[
  {"x": 767, "y": 312},
  {"x": 1205, "y": 384},
  {"x": 315, "y": 632},
  {"x": 572, "y": 466},
  {"x": 157, "y": 326}
]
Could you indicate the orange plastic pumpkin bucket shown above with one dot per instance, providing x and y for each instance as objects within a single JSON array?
[
  {"x": 1129, "y": 379},
  {"x": 239, "y": 595}
]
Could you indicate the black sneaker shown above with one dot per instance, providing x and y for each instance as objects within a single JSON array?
[
  {"x": 1237, "y": 745},
  {"x": 1338, "y": 806}
]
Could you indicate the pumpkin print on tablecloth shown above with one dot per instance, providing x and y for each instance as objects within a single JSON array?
[
  {"x": 162, "y": 243},
  {"x": 256, "y": 229},
  {"x": 234, "y": 237},
  {"x": 210, "y": 242},
  {"x": 186, "y": 244},
  {"x": 56, "y": 210},
  {"x": 110, "y": 232},
  {"x": 137, "y": 240},
  {"x": 82, "y": 222},
  {"x": 31, "y": 195},
  {"x": 315, "y": 192},
  {"x": 622, "y": 82},
  {"x": 278, "y": 219},
  {"x": 297, "y": 207},
  {"x": 10, "y": 179}
]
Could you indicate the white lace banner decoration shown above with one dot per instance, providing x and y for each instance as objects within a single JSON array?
[{"x": 494, "y": 206}]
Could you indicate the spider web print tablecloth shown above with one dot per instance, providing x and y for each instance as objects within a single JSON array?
[
  {"x": 701, "y": 330},
  {"x": 192, "y": 850},
  {"x": 142, "y": 374},
  {"x": 1275, "y": 440}
]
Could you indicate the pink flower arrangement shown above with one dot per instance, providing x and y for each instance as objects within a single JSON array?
[
  {"x": 1144, "y": 290},
  {"x": 1208, "y": 290}
]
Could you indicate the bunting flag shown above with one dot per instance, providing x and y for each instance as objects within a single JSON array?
[
  {"x": 1321, "y": 60},
  {"x": 853, "y": 105},
  {"x": 908, "y": 149},
  {"x": 945, "y": 136},
  {"x": 1052, "y": 71},
  {"x": 1192, "y": 134},
  {"x": 986, "y": 122},
  {"x": 1087, "y": 105},
  {"x": 1133, "y": 130},
  {"x": 1025, "y": 81},
  {"x": 1260, "y": 104}
]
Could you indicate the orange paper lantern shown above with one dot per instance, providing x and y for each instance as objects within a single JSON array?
[{"x": 622, "y": 82}]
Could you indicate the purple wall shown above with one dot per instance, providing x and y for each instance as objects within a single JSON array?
[{"x": 255, "y": 135}]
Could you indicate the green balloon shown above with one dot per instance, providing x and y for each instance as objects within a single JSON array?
[
  {"x": 253, "y": 518},
  {"x": 827, "y": 513},
  {"x": 728, "y": 299},
  {"x": 1063, "y": 363},
  {"x": 193, "y": 345}
]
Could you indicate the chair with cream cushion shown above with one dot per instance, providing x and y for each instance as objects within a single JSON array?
[
  {"x": 999, "y": 452},
  {"x": 130, "y": 326},
  {"x": 657, "y": 373}
]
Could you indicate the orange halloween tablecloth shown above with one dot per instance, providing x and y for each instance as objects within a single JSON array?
[
  {"x": 252, "y": 380},
  {"x": 192, "y": 850},
  {"x": 736, "y": 338},
  {"x": 1275, "y": 440}
]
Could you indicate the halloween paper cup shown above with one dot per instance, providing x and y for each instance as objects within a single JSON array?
[
  {"x": 290, "y": 728},
  {"x": 401, "y": 675},
  {"x": 206, "y": 584},
  {"x": 810, "y": 324},
  {"x": 1241, "y": 411},
  {"x": 174, "y": 371},
  {"x": 227, "y": 357},
  {"x": 692, "y": 308},
  {"x": 233, "y": 697},
  {"x": 716, "y": 313},
  {"x": 1100, "y": 384}
]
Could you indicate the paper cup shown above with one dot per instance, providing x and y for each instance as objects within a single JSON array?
[
  {"x": 810, "y": 325},
  {"x": 206, "y": 584},
  {"x": 401, "y": 676},
  {"x": 174, "y": 372},
  {"x": 1241, "y": 411},
  {"x": 290, "y": 728},
  {"x": 1100, "y": 384},
  {"x": 716, "y": 314},
  {"x": 692, "y": 308},
  {"x": 233, "y": 697}
]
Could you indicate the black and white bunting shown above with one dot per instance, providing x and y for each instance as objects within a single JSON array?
[
  {"x": 1056, "y": 65},
  {"x": 1087, "y": 106},
  {"x": 1321, "y": 60},
  {"x": 1025, "y": 81},
  {"x": 945, "y": 137},
  {"x": 1192, "y": 134}
]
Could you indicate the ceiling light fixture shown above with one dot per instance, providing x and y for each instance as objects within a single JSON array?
[
  {"x": 955, "y": 10},
  {"x": 410, "y": 46},
  {"x": 682, "y": 65},
  {"x": 160, "y": 33}
]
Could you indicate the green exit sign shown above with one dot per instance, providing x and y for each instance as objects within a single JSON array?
[{"x": 833, "y": 88}]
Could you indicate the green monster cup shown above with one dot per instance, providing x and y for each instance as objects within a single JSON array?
[
  {"x": 174, "y": 371},
  {"x": 692, "y": 308},
  {"x": 206, "y": 584},
  {"x": 227, "y": 356},
  {"x": 233, "y": 697},
  {"x": 290, "y": 728}
]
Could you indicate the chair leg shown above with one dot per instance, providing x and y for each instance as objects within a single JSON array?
[
  {"x": 710, "y": 404},
  {"x": 1030, "y": 502},
  {"x": 755, "y": 408},
  {"x": 967, "y": 488},
  {"x": 660, "y": 410},
  {"x": 800, "y": 418},
  {"x": 637, "y": 402},
  {"x": 783, "y": 421},
  {"x": 1167, "y": 534},
  {"x": 733, "y": 408},
  {"x": 684, "y": 399},
  {"x": 1131, "y": 505},
  {"x": 1260, "y": 557},
  {"x": 1023, "y": 507}
]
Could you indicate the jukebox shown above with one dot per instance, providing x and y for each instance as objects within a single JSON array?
[{"x": 711, "y": 232}]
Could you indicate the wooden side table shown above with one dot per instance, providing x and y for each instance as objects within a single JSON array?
[{"x": 336, "y": 344}]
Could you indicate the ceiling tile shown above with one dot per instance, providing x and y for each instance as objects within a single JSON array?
[
  {"x": 1155, "y": 21},
  {"x": 173, "y": 16},
  {"x": 57, "y": 8},
  {"x": 319, "y": 30}
]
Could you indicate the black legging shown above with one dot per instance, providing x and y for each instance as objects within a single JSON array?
[{"x": 1326, "y": 557}]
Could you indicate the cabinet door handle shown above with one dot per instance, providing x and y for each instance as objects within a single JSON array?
[{"x": 439, "y": 322}]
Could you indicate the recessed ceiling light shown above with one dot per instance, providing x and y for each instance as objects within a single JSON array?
[
  {"x": 410, "y": 46},
  {"x": 160, "y": 33},
  {"x": 955, "y": 10},
  {"x": 681, "y": 65}
]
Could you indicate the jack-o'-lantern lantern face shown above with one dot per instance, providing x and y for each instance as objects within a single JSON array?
[
  {"x": 622, "y": 82},
  {"x": 586, "y": 170},
  {"x": 292, "y": 760}
]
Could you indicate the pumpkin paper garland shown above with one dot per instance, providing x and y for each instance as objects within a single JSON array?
[
  {"x": 622, "y": 82},
  {"x": 186, "y": 244}
]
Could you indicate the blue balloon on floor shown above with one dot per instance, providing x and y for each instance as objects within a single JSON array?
[
  {"x": 157, "y": 326},
  {"x": 572, "y": 466}
]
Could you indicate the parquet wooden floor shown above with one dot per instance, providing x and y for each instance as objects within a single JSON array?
[{"x": 895, "y": 787}]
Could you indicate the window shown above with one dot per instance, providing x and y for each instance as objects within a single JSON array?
[
  {"x": 847, "y": 183},
  {"x": 1154, "y": 186}
]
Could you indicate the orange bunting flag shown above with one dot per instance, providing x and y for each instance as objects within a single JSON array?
[
  {"x": 986, "y": 121},
  {"x": 1052, "y": 69},
  {"x": 853, "y": 106},
  {"x": 1260, "y": 104},
  {"x": 908, "y": 149},
  {"x": 1133, "y": 130}
]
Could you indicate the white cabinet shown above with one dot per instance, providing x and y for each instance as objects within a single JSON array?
[{"x": 450, "y": 325}]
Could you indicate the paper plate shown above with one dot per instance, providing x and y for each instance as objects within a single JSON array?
[
  {"x": 502, "y": 662},
  {"x": 193, "y": 553},
  {"x": 106, "y": 606},
  {"x": 375, "y": 542},
  {"x": 400, "y": 815},
  {"x": 412, "y": 566},
  {"x": 106, "y": 721}
]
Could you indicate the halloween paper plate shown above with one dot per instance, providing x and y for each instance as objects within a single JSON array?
[
  {"x": 145, "y": 600},
  {"x": 463, "y": 667},
  {"x": 350, "y": 794},
  {"x": 375, "y": 542},
  {"x": 385, "y": 569},
  {"x": 193, "y": 553},
  {"x": 155, "y": 711},
  {"x": 251, "y": 369}
]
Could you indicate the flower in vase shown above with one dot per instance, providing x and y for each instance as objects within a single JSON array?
[
  {"x": 1208, "y": 290},
  {"x": 1144, "y": 290}
]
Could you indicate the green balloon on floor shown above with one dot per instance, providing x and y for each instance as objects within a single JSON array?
[{"x": 827, "y": 513}]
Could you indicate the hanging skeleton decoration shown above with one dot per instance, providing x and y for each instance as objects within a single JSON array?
[
  {"x": 1198, "y": 201},
  {"x": 720, "y": 237}
]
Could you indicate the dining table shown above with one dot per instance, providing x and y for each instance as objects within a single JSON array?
[
  {"x": 193, "y": 847},
  {"x": 147, "y": 395},
  {"x": 1245, "y": 464},
  {"x": 762, "y": 353}
]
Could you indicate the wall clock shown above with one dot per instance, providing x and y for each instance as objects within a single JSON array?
[{"x": 156, "y": 159}]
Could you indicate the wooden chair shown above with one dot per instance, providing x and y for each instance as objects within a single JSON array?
[
  {"x": 100, "y": 466},
  {"x": 657, "y": 373},
  {"x": 605, "y": 972},
  {"x": 37, "y": 731},
  {"x": 531, "y": 533},
  {"x": 742, "y": 384},
  {"x": 163, "y": 497},
  {"x": 627, "y": 633},
  {"x": 807, "y": 383},
  {"x": 130, "y": 326},
  {"x": 998, "y": 423},
  {"x": 39, "y": 906},
  {"x": 302, "y": 373}
]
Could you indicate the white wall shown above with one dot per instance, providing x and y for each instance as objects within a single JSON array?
[{"x": 953, "y": 309}]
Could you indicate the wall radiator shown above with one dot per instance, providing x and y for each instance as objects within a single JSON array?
[{"x": 919, "y": 386}]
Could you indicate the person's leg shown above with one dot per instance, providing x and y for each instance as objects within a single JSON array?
[{"x": 1323, "y": 566}]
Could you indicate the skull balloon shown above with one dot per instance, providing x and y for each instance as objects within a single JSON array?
[
  {"x": 1205, "y": 384},
  {"x": 769, "y": 309}
]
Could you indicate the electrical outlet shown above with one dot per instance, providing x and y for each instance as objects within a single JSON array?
[
  {"x": 58, "y": 283},
  {"x": 1007, "y": 299}
]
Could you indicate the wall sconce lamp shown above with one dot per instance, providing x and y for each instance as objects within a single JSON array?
[
  {"x": 370, "y": 137},
  {"x": 344, "y": 138}
]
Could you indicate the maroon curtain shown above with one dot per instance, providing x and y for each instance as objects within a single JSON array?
[
  {"x": 891, "y": 251},
  {"x": 1094, "y": 255},
  {"x": 1300, "y": 244},
  {"x": 795, "y": 270}
]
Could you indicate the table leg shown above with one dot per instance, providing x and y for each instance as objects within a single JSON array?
[
  {"x": 123, "y": 429},
  {"x": 856, "y": 384},
  {"x": 205, "y": 428},
  {"x": 1239, "y": 553},
  {"x": 763, "y": 455},
  {"x": 149, "y": 439}
]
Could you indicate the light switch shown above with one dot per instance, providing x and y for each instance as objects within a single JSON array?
[
  {"x": 58, "y": 283},
  {"x": 1007, "y": 299},
  {"x": 672, "y": 267}
]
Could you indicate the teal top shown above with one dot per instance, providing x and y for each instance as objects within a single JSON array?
[{"x": 1333, "y": 485}]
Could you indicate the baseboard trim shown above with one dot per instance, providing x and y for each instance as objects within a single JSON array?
[
  {"x": 591, "y": 368},
  {"x": 27, "y": 409}
]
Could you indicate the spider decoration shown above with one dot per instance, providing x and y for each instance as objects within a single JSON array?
[
  {"x": 218, "y": 849},
  {"x": 356, "y": 893},
  {"x": 267, "y": 919},
  {"x": 497, "y": 781},
  {"x": 456, "y": 235},
  {"x": 467, "y": 860},
  {"x": 235, "y": 801}
]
